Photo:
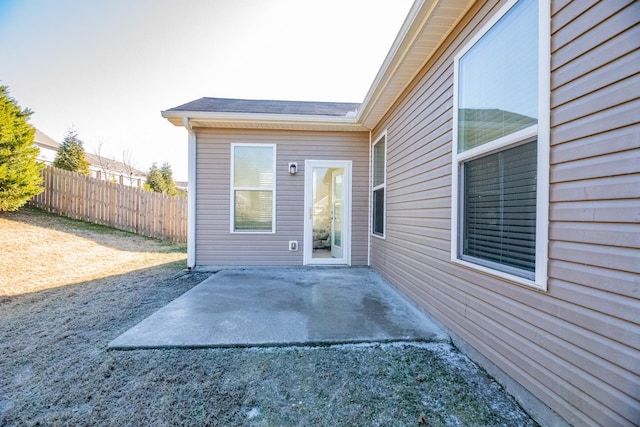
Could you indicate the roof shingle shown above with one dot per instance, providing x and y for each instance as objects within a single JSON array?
[{"x": 226, "y": 105}]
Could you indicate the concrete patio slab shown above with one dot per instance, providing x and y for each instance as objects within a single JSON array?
[{"x": 283, "y": 306}]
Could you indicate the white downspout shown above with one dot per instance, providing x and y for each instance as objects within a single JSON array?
[
  {"x": 369, "y": 213},
  {"x": 191, "y": 197}
]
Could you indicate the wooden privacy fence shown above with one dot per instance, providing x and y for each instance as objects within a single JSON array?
[{"x": 126, "y": 208}]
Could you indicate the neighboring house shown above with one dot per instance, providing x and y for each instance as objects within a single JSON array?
[
  {"x": 113, "y": 170},
  {"x": 181, "y": 185},
  {"x": 491, "y": 174},
  {"x": 100, "y": 167},
  {"x": 48, "y": 147}
]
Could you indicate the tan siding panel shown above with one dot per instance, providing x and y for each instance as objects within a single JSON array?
[
  {"x": 606, "y": 75},
  {"x": 618, "y": 93},
  {"x": 590, "y": 36},
  {"x": 623, "y": 235},
  {"x": 601, "y": 122},
  {"x": 625, "y": 162},
  {"x": 588, "y": 16},
  {"x": 605, "y": 53},
  {"x": 624, "y": 259},
  {"x": 616, "y": 283},
  {"x": 609, "y": 188},
  {"x": 602, "y": 211},
  {"x": 566, "y": 11},
  {"x": 604, "y": 302},
  {"x": 622, "y": 139}
]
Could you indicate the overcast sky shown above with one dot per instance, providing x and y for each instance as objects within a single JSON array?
[{"x": 108, "y": 67}]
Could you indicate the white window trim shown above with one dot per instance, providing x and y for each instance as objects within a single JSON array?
[
  {"x": 233, "y": 189},
  {"x": 383, "y": 186},
  {"x": 541, "y": 130}
]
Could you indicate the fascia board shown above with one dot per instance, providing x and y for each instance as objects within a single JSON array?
[{"x": 296, "y": 120}]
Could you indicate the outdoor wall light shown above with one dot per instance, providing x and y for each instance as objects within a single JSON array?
[{"x": 293, "y": 168}]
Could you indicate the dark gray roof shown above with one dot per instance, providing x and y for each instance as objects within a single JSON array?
[
  {"x": 225, "y": 105},
  {"x": 112, "y": 165}
]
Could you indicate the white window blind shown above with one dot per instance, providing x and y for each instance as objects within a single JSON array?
[{"x": 499, "y": 222}]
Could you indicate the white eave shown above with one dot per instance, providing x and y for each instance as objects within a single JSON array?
[
  {"x": 427, "y": 25},
  {"x": 264, "y": 121}
]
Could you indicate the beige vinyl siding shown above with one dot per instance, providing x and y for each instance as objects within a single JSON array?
[
  {"x": 216, "y": 246},
  {"x": 575, "y": 347}
]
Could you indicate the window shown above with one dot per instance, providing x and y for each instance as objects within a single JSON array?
[
  {"x": 253, "y": 188},
  {"x": 500, "y": 152},
  {"x": 379, "y": 186}
]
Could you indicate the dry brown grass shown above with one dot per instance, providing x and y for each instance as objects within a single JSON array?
[{"x": 41, "y": 251}]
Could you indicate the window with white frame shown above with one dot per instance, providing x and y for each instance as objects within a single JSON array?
[
  {"x": 253, "y": 188},
  {"x": 379, "y": 183},
  {"x": 500, "y": 152}
]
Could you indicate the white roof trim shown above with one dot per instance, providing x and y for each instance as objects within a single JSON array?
[{"x": 264, "y": 120}]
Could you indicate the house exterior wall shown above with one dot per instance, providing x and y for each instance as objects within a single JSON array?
[
  {"x": 216, "y": 246},
  {"x": 47, "y": 155},
  {"x": 575, "y": 347}
]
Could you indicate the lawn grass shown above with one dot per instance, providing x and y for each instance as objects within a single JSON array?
[{"x": 41, "y": 250}]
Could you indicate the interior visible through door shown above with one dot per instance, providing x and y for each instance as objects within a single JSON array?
[{"x": 327, "y": 211}]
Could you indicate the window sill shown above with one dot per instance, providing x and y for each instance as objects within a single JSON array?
[
  {"x": 535, "y": 285},
  {"x": 252, "y": 232}
]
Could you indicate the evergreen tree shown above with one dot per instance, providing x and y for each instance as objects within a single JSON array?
[
  {"x": 70, "y": 155},
  {"x": 167, "y": 176},
  {"x": 155, "y": 180},
  {"x": 160, "y": 180},
  {"x": 20, "y": 177}
]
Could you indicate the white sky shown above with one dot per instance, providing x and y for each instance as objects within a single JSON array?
[{"x": 108, "y": 67}]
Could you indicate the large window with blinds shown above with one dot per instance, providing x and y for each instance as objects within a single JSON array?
[
  {"x": 253, "y": 188},
  {"x": 379, "y": 157},
  {"x": 500, "y": 142}
]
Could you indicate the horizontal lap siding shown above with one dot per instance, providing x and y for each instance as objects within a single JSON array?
[
  {"x": 215, "y": 245},
  {"x": 577, "y": 346}
]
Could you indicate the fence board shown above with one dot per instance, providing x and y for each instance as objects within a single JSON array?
[{"x": 126, "y": 208}]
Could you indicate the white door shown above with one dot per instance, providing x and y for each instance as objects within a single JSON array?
[{"x": 327, "y": 225}]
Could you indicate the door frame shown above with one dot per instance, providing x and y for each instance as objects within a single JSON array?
[
  {"x": 334, "y": 216},
  {"x": 308, "y": 212}
]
